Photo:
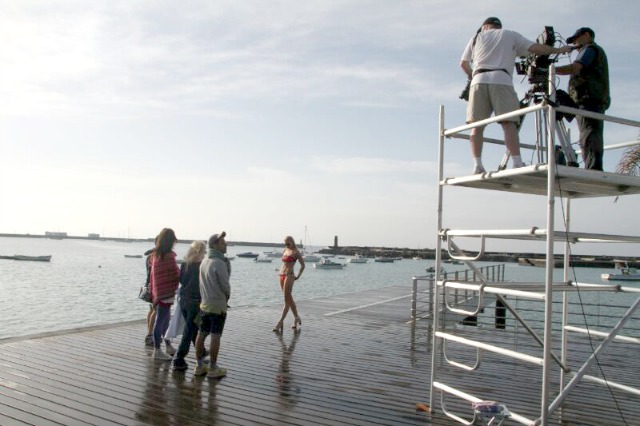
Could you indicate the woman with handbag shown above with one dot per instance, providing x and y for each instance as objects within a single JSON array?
[{"x": 163, "y": 282}]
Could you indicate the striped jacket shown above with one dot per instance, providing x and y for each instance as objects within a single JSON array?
[{"x": 164, "y": 277}]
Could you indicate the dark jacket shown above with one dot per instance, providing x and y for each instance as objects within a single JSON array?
[
  {"x": 590, "y": 88},
  {"x": 190, "y": 282}
]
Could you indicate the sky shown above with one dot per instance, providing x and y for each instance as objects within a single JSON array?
[{"x": 272, "y": 118}]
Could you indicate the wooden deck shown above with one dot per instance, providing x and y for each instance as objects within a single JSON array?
[{"x": 356, "y": 361}]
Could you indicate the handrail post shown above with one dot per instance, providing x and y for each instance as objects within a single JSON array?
[{"x": 414, "y": 299}]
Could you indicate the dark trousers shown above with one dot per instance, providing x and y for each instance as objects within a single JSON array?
[
  {"x": 591, "y": 139},
  {"x": 163, "y": 316},
  {"x": 190, "y": 311}
]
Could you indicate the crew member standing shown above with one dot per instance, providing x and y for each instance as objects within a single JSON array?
[
  {"x": 493, "y": 52},
  {"x": 215, "y": 291},
  {"x": 589, "y": 89}
]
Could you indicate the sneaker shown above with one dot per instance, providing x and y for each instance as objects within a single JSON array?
[
  {"x": 478, "y": 169},
  {"x": 517, "y": 166},
  {"x": 148, "y": 340},
  {"x": 201, "y": 370},
  {"x": 158, "y": 355},
  {"x": 179, "y": 364},
  {"x": 217, "y": 373},
  {"x": 170, "y": 349}
]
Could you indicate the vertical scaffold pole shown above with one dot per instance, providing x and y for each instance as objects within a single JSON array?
[
  {"x": 548, "y": 302},
  {"x": 436, "y": 300}
]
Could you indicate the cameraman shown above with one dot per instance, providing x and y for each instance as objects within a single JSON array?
[
  {"x": 493, "y": 52},
  {"x": 589, "y": 89}
]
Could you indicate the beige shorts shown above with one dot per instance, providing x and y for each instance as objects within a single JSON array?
[{"x": 485, "y": 99}]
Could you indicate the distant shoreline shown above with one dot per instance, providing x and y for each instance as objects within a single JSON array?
[
  {"x": 131, "y": 240},
  {"x": 522, "y": 258}
]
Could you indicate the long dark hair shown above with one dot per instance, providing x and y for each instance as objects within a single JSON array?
[{"x": 164, "y": 242}]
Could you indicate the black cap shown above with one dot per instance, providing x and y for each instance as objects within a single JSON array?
[
  {"x": 579, "y": 32},
  {"x": 492, "y": 20}
]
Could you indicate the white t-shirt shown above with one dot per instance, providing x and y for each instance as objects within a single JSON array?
[{"x": 496, "y": 49}]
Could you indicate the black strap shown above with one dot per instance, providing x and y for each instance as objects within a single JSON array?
[{"x": 481, "y": 70}]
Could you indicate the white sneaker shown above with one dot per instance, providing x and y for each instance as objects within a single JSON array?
[
  {"x": 478, "y": 169},
  {"x": 170, "y": 349},
  {"x": 517, "y": 166},
  {"x": 158, "y": 355},
  {"x": 217, "y": 372},
  {"x": 200, "y": 370}
]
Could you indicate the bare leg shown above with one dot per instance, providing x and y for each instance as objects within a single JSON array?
[
  {"x": 511, "y": 138},
  {"x": 289, "y": 303},
  {"x": 200, "y": 345},
  {"x": 476, "y": 138},
  {"x": 214, "y": 348},
  {"x": 151, "y": 319}
]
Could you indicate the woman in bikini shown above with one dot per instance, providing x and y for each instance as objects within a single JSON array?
[{"x": 290, "y": 255}]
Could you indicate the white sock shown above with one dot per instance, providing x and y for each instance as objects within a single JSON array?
[
  {"x": 478, "y": 162},
  {"x": 517, "y": 161}
]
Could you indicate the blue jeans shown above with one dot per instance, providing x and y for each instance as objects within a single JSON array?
[
  {"x": 163, "y": 315},
  {"x": 190, "y": 310}
]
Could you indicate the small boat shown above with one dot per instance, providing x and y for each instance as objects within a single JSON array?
[
  {"x": 358, "y": 259},
  {"x": 133, "y": 256},
  {"x": 248, "y": 255},
  {"x": 273, "y": 254},
  {"x": 626, "y": 274},
  {"x": 32, "y": 258},
  {"x": 398, "y": 258},
  {"x": 385, "y": 259},
  {"x": 453, "y": 261},
  {"x": 417, "y": 258},
  {"x": 311, "y": 258},
  {"x": 432, "y": 270},
  {"x": 263, "y": 259},
  {"x": 326, "y": 263}
]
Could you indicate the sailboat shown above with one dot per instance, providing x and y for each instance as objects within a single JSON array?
[{"x": 305, "y": 256}]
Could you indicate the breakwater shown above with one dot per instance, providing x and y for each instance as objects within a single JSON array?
[{"x": 527, "y": 259}]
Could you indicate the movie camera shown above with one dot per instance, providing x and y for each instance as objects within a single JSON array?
[{"x": 536, "y": 67}]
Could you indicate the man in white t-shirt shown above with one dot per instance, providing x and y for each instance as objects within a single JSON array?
[{"x": 493, "y": 52}]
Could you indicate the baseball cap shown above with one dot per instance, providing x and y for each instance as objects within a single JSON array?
[
  {"x": 492, "y": 20},
  {"x": 579, "y": 32},
  {"x": 215, "y": 238}
]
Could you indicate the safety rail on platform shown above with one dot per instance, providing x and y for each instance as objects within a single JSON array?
[{"x": 550, "y": 180}]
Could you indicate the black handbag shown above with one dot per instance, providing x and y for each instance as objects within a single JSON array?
[{"x": 145, "y": 293}]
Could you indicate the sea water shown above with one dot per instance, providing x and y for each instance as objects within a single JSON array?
[{"x": 91, "y": 282}]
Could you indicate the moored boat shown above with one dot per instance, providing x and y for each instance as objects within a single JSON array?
[
  {"x": 248, "y": 254},
  {"x": 385, "y": 259},
  {"x": 263, "y": 259},
  {"x": 626, "y": 274},
  {"x": 33, "y": 258},
  {"x": 358, "y": 259},
  {"x": 311, "y": 258},
  {"x": 326, "y": 263},
  {"x": 133, "y": 256}
]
